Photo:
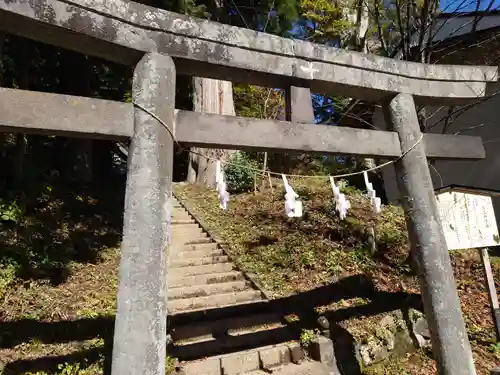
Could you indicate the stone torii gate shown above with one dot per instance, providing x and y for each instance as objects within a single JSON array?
[{"x": 161, "y": 44}]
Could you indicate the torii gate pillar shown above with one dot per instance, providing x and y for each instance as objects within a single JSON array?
[
  {"x": 140, "y": 340},
  {"x": 449, "y": 339}
]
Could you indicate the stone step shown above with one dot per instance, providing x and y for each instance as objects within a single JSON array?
[
  {"x": 199, "y": 246},
  {"x": 212, "y": 251},
  {"x": 179, "y": 208},
  {"x": 190, "y": 262},
  {"x": 265, "y": 358},
  {"x": 187, "y": 234},
  {"x": 186, "y": 227},
  {"x": 203, "y": 269},
  {"x": 190, "y": 238},
  {"x": 195, "y": 241},
  {"x": 208, "y": 289},
  {"x": 230, "y": 344},
  {"x": 239, "y": 325},
  {"x": 180, "y": 240},
  {"x": 181, "y": 215},
  {"x": 183, "y": 222},
  {"x": 176, "y": 281},
  {"x": 219, "y": 300}
]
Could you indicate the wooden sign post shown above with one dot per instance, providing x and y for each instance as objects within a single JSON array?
[{"x": 492, "y": 292}]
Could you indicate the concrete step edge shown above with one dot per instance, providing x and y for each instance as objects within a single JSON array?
[
  {"x": 249, "y": 323},
  {"x": 179, "y": 214},
  {"x": 180, "y": 254},
  {"x": 209, "y": 346},
  {"x": 203, "y": 269},
  {"x": 242, "y": 362},
  {"x": 188, "y": 225},
  {"x": 205, "y": 290},
  {"x": 200, "y": 261},
  {"x": 231, "y": 335},
  {"x": 182, "y": 222},
  {"x": 198, "y": 246},
  {"x": 199, "y": 241},
  {"x": 190, "y": 232},
  {"x": 182, "y": 238},
  {"x": 211, "y": 302},
  {"x": 175, "y": 281}
]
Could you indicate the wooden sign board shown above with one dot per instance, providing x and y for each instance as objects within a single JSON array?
[{"x": 468, "y": 219}]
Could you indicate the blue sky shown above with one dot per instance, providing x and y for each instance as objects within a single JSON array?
[{"x": 450, "y": 6}]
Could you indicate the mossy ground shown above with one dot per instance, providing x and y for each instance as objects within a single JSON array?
[{"x": 58, "y": 272}]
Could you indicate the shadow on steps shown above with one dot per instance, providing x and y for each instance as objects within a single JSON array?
[
  {"x": 212, "y": 328},
  {"x": 16, "y": 332},
  {"x": 345, "y": 351}
]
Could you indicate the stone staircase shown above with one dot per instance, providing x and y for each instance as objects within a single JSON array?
[{"x": 216, "y": 320}]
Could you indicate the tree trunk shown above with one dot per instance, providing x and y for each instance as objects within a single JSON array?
[
  {"x": 362, "y": 24},
  {"x": 264, "y": 169},
  {"x": 83, "y": 160},
  {"x": 210, "y": 96},
  {"x": 192, "y": 167},
  {"x": 2, "y": 135},
  {"x": 79, "y": 166},
  {"x": 21, "y": 139},
  {"x": 102, "y": 158},
  {"x": 2, "y": 41},
  {"x": 83, "y": 166},
  {"x": 19, "y": 153}
]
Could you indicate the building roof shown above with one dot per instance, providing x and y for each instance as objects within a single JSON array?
[
  {"x": 452, "y": 30},
  {"x": 453, "y": 26}
]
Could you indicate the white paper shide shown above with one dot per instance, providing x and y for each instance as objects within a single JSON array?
[
  {"x": 293, "y": 206},
  {"x": 222, "y": 193},
  {"x": 372, "y": 194},
  {"x": 342, "y": 205}
]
